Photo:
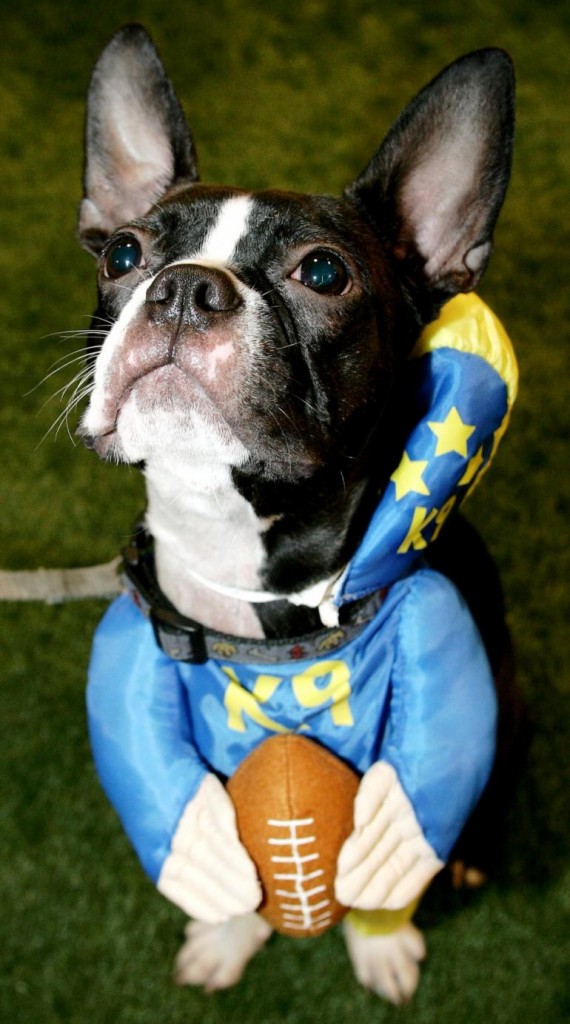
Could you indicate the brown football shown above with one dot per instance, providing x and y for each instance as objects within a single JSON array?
[{"x": 294, "y": 806}]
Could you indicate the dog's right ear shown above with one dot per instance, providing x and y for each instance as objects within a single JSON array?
[{"x": 137, "y": 140}]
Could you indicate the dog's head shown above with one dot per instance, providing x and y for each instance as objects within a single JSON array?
[{"x": 267, "y": 330}]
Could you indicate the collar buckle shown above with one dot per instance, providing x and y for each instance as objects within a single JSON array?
[{"x": 180, "y": 638}]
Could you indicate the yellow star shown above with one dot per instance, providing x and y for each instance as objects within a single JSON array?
[
  {"x": 473, "y": 467},
  {"x": 408, "y": 477},
  {"x": 452, "y": 434}
]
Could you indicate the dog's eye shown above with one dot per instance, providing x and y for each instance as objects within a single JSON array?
[
  {"x": 122, "y": 256},
  {"x": 323, "y": 272}
]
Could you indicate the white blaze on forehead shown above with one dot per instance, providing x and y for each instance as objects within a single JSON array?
[{"x": 221, "y": 241}]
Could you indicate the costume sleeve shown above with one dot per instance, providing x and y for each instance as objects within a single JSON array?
[
  {"x": 140, "y": 732},
  {"x": 440, "y": 734}
]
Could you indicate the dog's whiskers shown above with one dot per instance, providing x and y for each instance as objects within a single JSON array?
[
  {"x": 81, "y": 384},
  {"x": 70, "y": 360},
  {"x": 63, "y": 363},
  {"x": 80, "y": 379},
  {"x": 82, "y": 390}
]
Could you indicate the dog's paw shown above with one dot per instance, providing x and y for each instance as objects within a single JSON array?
[
  {"x": 386, "y": 862},
  {"x": 465, "y": 876},
  {"x": 387, "y": 964},
  {"x": 209, "y": 873},
  {"x": 216, "y": 955}
]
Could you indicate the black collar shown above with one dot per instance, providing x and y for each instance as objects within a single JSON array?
[{"x": 184, "y": 639}]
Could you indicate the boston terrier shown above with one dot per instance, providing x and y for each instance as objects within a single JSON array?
[{"x": 251, "y": 352}]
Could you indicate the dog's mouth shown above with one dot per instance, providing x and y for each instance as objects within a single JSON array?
[
  {"x": 153, "y": 410},
  {"x": 149, "y": 389}
]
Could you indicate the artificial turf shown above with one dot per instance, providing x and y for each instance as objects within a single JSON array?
[{"x": 299, "y": 95}]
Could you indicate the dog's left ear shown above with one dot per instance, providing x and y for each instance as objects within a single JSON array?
[
  {"x": 137, "y": 140},
  {"x": 435, "y": 187}
]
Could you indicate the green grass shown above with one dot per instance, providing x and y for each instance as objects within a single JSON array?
[{"x": 295, "y": 94}]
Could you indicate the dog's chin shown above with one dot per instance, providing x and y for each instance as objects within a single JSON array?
[{"x": 148, "y": 427}]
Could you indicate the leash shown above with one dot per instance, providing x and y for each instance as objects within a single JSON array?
[{"x": 54, "y": 586}]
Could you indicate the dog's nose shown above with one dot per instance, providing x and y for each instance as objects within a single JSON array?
[{"x": 191, "y": 294}]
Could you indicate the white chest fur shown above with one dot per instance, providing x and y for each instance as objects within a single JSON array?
[{"x": 202, "y": 525}]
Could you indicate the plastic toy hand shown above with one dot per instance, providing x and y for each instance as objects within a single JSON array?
[
  {"x": 386, "y": 862},
  {"x": 209, "y": 873}
]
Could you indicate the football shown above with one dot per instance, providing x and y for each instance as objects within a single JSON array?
[{"x": 294, "y": 807}]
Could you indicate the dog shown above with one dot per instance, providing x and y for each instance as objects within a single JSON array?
[{"x": 251, "y": 352}]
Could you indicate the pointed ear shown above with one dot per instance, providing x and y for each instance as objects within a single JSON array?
[
  {"x": 137, "y": 140},
  {"x": 435, "y": 187}
]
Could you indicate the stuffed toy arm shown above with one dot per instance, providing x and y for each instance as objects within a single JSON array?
[
  {"x": 176, "y": 813},
  {"x": 386, "y": 862},
  {"x": 208, "y": 873},
  {"x": 435, "y": 758}
]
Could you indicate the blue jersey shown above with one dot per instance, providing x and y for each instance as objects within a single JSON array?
[{"x": 413, "y": 688}]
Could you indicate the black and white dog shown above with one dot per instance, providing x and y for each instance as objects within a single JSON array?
[{"x": 249, "y": 352}]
